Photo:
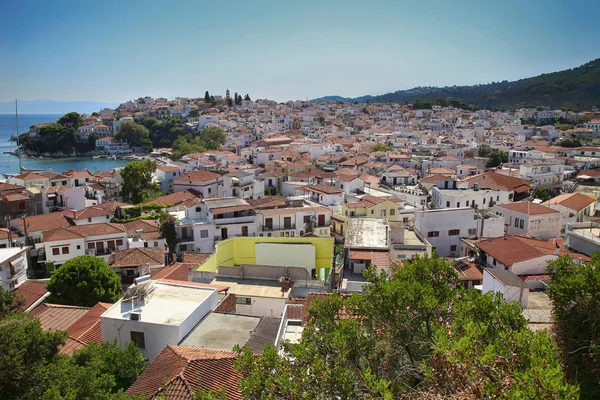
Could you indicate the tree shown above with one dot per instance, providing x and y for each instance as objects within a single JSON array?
[
  {"x": 574, "y": 293},
  {"x": 72, "y": 120},
  {"x": 10, "y": 302},
  {"x": 25, "y": 352},
  {"x": 168, "y": 232},
  {"x": 229, "y": 102},
  {"x": 206, "y": 97},
  {"x": 194, "y": 113},
  {"x": 540, "y": 193},
  {"x": 381, "y": 147},
  {"x": 133, "y": 134},
  {"x": 236, "y": 99},
  {"x": 125, "y": 365},
  {"x": 247, "y": 97},
  {"x": 416, "y": 334},
  {"x": 212, "y": 137},
  {"x": 496, "y": 158},
  {"x": 570, "y": 143},
  {"x": 84, "y": 281},
  {"x": 137, "y": 185},
  {"x": 483, "y": 150}
]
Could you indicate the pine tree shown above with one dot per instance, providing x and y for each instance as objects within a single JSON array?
[
  {"x": 247, "y": 98},
  {"x": 206, "y": 97}
]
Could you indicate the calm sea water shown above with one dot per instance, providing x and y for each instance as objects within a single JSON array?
[{"x": 10, "y": 164}]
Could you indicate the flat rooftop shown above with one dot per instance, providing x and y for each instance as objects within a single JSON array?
[
  {"x": 253, "y": 287},
  {"x": 167, "y": 304},
  {"x": 7, "y": 254},
  {"x": 410, "y": 239},
  {"x": 367, "y": 233},
  {"x": 220, "y": 331}
]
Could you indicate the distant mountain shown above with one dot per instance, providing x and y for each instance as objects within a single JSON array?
[
  {"x": 574, "y": 88},
  {"x": 53, "y": 107}
]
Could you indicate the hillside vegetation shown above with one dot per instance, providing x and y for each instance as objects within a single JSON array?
[{"x": 577, "y": 88}]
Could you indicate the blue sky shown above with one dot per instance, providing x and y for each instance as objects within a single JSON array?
[{"x": 118, "y": 50}]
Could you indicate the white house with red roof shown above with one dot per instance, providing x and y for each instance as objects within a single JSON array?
[{"x": 531, "y": 219}]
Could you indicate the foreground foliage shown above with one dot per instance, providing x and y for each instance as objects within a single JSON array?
[
  {"x": 137, "y": 185},
  {"x": 574, "y": 293},
  {"x": 84, "y": 281},
  {"x": 413, "y": 336}
]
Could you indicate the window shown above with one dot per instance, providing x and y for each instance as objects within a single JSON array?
[
  {"x": 516, "y": 222},
  {"x": 65, "y": 250},
  {"x": 392, "y": 211},
  {"x": 91, "y": 245},
  {"x": 433, "y": 234},
  {"x": 307, "y": 218},
  {"x": 372, "y": 212},
  {"x": 138, "y": 339},
  {"x": 119, "y": 242},
  {"x": 472, "y": 231},
  {"x": 198, "y": 209},
  {"x": 145, "y": 244},
  {"x": 243, "y": 300},
  {"x": 55, "y": 251},
  {"x": 521, "y": 224},
  {"x": 204, "y": 233},
  {"x": 454, "y": 232},
  {"x": 448, "y": 204},
  {"x": 494, "y": 262},
  {"x": 209, "y": 190},
  {"x": 22, "y": 205},
  {"x": 453, "y": 247},
  {"x": 78, "y": 247},
  {"x": 89, "y": 220},
  {"x": 108, "y": 217}
]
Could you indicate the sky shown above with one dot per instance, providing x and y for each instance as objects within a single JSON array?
[{"x": 113, "y": 51}]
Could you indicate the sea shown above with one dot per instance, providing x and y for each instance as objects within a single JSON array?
[{"x": 9, "y": 164}]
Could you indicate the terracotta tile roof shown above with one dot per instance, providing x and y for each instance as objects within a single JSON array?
[
  {"x": 44, "y": 222},
  {"x": 509, "y": 249},
  {"x": 225, "y": 210},
  {"x": 83, "y": 231},
  {"x": 551, "y": 246},
  {"x": 176, "y": 272},
  {"x": 196, "y": 176},
  {"x": 434, "y": 179},
  {"x": 527, "y": 207},
  {"x": 573, "y": 201},
  {"x": 195, "y": 258},
  {"x": 292, "y": 210},
  {"x": 137, "y": 257},
  {"x": 56, "y": 317},
  {"x": 495, "y": 181},
  {"x": 8, "y": 187},
  {"x": 378, "y": 258},
  {"x": 268, "y": 202},
  {"x": 31, "y": 292},
  {"x": 441, "y": 171},
  {"x": 468, "y": 271},
  {"x": 15, "y": 197},
  {"x": 177, "y": 372},
  {"x": 174, "y": 198},
  {"x": 325, "y": 189}
]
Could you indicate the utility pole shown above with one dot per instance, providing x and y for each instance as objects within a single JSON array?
[{"x": 7, "y": 218}]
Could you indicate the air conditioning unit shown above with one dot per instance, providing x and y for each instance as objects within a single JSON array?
[{"x": 135, "y": 316}]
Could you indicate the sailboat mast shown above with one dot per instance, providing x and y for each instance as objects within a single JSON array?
[{"x": 17, "y": 124}]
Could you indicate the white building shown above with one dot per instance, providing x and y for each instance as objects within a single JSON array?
[
  {"x": 508, "y": 284},
  {"x": 294, "y": 221},
  {"x": 444, "y": 228},
  {"x": 574, "y": 207},
  {"x": 526, "y": 218},
  {"x": 13, "y": 267},
  {"x": 477, "y": 198},
  {"x": 154, "y": 314}
]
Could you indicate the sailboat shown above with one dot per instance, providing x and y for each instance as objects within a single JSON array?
[{"x": 21, "y": 167}]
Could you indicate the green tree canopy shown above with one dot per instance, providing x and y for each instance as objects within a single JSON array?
[
  {"x": 206, "y": 97},
  {"x": 213, "y": 137},
  {"x": 25, "y": 352},
  {"x": 247, "y": 97},
  {"x": 483, "y": 150},
  {"x": 574, "y": 293},
  {"x": 72, "y": 120},
  {"x": 137, "y": 185},
  {"x": 194, "y": 113},
  {"x": 381, "y": 147},
  {"x": 540, "y": 193},
  {"x": 10, "y": 302},
  {"x": 415, "y": 335},
  {"x": 496, "y": 158},
  {"x": 84, "y": 281},
  {"x": 133, "y": 134}
]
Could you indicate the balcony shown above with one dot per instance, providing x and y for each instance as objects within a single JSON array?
[
  {"x": 271, "y": 228},
  {"x": 234, "y": 220}
]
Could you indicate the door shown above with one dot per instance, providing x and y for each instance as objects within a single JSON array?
[
  {"x": 287, "y": 222},
  {"x": 269, "y": 223},
  {"x": 223, "y": 233},
  {"x": 111, "y": 245},
  {"x": 99, "y": 247},
  {"x": 244, "y": 230},
  {"x": 321, "y": 220}
]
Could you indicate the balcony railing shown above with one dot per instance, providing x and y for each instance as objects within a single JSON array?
[
  {"x": 234, "y": 220},
  {"x": 266, "y": 228}
]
